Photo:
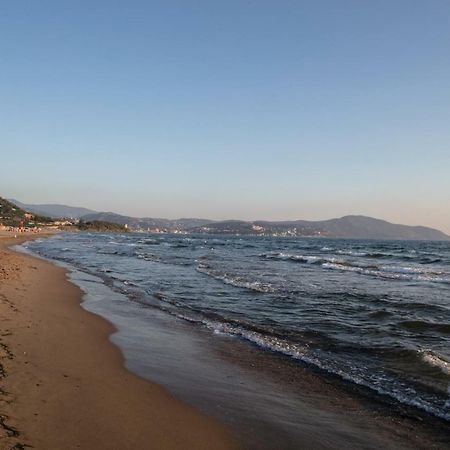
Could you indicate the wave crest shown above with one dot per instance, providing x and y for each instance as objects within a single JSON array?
[
  {"x": 235, "y": 280},
  {"x": 408, "y": 273}
]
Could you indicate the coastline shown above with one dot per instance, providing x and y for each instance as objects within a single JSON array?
[{"x": 64, "y": 384}]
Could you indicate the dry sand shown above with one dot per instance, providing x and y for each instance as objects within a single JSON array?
[{"x": 63, "y": 384}]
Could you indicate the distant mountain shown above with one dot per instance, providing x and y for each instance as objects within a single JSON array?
[
  {"x": 352, "y": 227},
  {"x": 54, "y": 211},
  {"x": 357, "y": 227},
  {"x": 363, "y": 227}
]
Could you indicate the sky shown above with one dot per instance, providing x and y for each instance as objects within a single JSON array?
[{"x": 229, "y": 109}]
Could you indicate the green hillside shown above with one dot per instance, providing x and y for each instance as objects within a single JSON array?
[
  {"x": 101, "y": 225},
  {"x": 13, "y": 216}
]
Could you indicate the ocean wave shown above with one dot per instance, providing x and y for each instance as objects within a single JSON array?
[
  {"x": 180, "y": 245},
  {"x": 422, "y": 325},
  {"x": 235, "y": 280},
  {"x": 119, "y": 252},
  {"x": 362, "y": 254},
  {"x": 421, "y": 258},
  {"x": 380, "y": 383},
  {"x": 296, "y": 258},
  {"x": 435, "y": 360},
  {"x": 148, "y": 257},
  {"x": 393, "y": 273},
  {"x": 313, "y": 259},
  {"x": 408, "y": 270},
  {"x": 430, "y": 260},
  {"x": 381, "y": 314},
  {"x": 407, "y": 273},
  {"x": 168, "y": 260},
  {"x": 148, "y": 242}
]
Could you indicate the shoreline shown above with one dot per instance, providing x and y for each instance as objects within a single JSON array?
[{"x": 64, "y": 383}]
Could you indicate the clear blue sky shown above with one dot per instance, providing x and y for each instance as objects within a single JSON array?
[{"x": 243, "y": 109}]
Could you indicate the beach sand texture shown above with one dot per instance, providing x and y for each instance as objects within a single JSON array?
[{"x": 63, "y": 384}]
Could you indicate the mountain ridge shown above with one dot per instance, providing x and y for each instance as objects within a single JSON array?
[
  {"x": 349, "y": 226},
  {"x": 54, "y": 210}
]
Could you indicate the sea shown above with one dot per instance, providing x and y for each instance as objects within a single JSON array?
[{"x": 373, "y": 314}]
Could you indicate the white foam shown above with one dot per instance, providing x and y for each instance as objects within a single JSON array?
[
  {"x": 236, "y": 280},
  {"x": 436, "y": 361},
  {"x": 352, "y": 253},
  {"x": 303, "y": 353},
  {"x": 407, "y": 270}
]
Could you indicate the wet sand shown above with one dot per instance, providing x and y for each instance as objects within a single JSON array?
[
  {"x": 64, "y": 385},
  {"x": 270, "y": 401}
]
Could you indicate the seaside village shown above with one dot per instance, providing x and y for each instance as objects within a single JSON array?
[
  {"x": 15, "y": 220},
  {"x": 31, "y": 226}
]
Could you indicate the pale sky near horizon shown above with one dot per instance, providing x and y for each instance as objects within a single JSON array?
[{"x": 229, "y": 109}]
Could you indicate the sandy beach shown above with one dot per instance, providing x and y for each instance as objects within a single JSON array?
[{"x": 63, "y": 384}]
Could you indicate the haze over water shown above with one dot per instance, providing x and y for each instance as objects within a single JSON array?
[{"x": 375, "y": 313}]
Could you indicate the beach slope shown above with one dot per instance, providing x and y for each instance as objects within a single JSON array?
[{"x": 63, "y": 384}]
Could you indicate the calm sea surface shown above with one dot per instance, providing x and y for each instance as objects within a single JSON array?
[{"x": 376, "y": 313}]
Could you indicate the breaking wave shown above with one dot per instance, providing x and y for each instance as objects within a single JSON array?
[
  {"x": 435, "y": 360},
  {"x": 381, "y": 383},
  {"x": 235, "y": 280},
  {"x": 413, "y": 273}
]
